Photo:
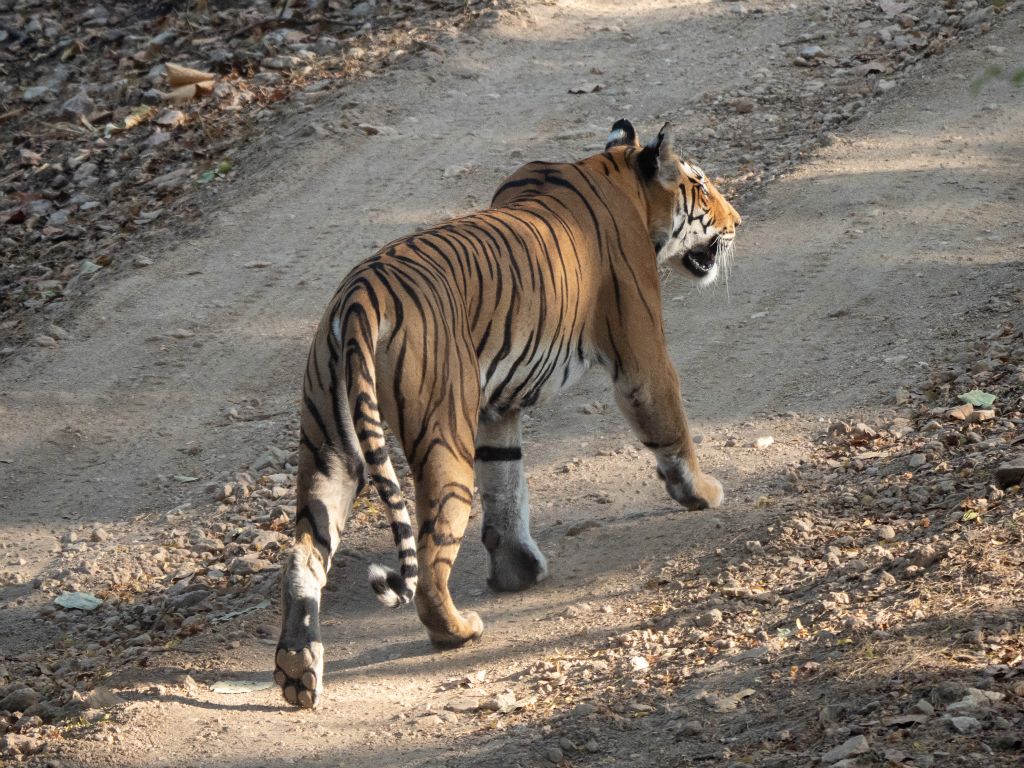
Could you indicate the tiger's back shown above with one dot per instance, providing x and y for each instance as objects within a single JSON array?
[{"x": 512, "y": 291}]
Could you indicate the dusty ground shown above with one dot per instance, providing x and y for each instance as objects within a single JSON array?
[
  {"x": 891, "y": 246},
  {"x": 99, "y": 142}
]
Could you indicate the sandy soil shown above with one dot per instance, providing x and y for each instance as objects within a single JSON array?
[{"x": 851, "y": 269}]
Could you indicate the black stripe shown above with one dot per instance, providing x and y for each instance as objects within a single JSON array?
[
  {"x": 321, "y": 465},
  {"x": 657, "y": 446},
  {"x": 506, "y": 347},
  {"x": 483, "y": 339},
  {"x": 397, "y": 584},
  {"x": 316, "y": 367},
  {"x": 312, "y": 410},
  {"x": 365, "y": 409},
  {"x": 306, "y": 514},
  {"x": 513, "y": 370},
  {"x": 452, "y": 495},
  {"x": 400, "y": 531},
  {"x": 446, "y": 540},
  {"x": 494, "y": 453},
  {"x": 535, "y": 182},
  {"x": 376, "y": 456}
]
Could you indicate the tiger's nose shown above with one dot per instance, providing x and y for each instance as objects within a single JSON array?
[{"x": 736, "y": 218}]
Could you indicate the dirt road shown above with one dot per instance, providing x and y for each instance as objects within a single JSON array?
[{"x": 869, "y": 258}]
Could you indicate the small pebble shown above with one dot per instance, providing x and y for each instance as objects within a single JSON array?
[
  {"x": 709, "y": 619},
  {"x": 856, "y": 745},
  {"x": 924, "y": 707},
  {"x": 964, "y": 724},
  {"x": 691, "y": 728},
  {"x": 554, "y": 755}
]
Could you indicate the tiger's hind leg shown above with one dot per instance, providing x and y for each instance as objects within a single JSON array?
[
  {"x": 326, "y": 487},
  {"x": 516, "y": 561},
  {"x": 444, "y": 495}
]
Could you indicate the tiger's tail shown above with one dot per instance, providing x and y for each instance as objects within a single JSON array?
[{"x": 356, "y": 327}]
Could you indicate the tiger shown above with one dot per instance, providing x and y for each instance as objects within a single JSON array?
[{"x": 449, "y": 334}]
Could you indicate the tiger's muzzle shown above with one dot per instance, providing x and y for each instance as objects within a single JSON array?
[{"x": 701, "y": 261}]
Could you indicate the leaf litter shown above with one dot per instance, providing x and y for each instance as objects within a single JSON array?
[{"x": 107, "y": 110}]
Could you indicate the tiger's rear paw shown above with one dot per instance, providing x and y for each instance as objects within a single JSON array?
[
  {"x": 299, "y": 659},
  {"x": 300, "y": 674},
  {"x": 470, "y": 627}
]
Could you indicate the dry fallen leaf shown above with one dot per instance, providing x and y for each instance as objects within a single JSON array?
[
  {"x": 182, "y": 94},
  {"x": 171, "y": 118},
  {"x": 178, "y": 75},
  {"x": 185, "y": 93},
  {"x": 136, "y": 118}
]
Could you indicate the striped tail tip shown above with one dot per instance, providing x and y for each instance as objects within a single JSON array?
[{"x": 389, "y": 587}]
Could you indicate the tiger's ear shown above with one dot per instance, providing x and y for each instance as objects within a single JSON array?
[
  {"x": 656, "y": 159},
  {"x": 623, "y": 134}
]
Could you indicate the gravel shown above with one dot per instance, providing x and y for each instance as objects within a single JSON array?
[{"x": 829, "y": 592}]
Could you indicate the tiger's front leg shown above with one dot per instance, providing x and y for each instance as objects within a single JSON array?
[
  {"x": 651, "y": 401},
  {"x": 516, "y": 561}
]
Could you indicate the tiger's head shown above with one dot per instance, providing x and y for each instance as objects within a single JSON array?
[{"x": 692, "y": 226}]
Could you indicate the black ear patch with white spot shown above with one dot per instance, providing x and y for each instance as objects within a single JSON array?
[
  {"x": 622, "y": 134},
  {"x": 657, "y": 153}
]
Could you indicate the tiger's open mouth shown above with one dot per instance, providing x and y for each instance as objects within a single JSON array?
[{"x": 700, "y": 261}]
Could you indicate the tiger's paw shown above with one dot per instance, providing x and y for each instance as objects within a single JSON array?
[
  {"x": 470, "y": 627},
  {"x": 515, "y": 564},
  {"x": 694, "y": 493},
  {"x": 300, "y": 674},
  {"x": 710, "y": 491},
  {"x": 299, "y": 658}
]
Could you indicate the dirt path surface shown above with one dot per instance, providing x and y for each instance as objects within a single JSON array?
[{"x": 891, "y": 243}]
